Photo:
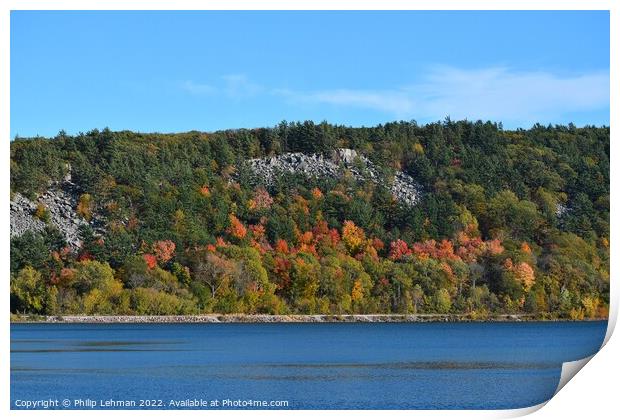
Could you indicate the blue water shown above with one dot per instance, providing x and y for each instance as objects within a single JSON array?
[{"x": 310, "y": 366}]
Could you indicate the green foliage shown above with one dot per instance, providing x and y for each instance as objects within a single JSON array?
[
  {"x": 508, "y": 221},
  {"x": 91, "y": 275},
  {"x": 442, "y": 301},
  {"x": 28, "y": 292},
  {"x": 42, "y": 213}
]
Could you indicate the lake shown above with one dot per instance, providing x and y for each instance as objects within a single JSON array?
[{"x": 294, "y": 365}]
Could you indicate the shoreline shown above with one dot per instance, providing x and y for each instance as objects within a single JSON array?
[{"x": 263, "y": 318}]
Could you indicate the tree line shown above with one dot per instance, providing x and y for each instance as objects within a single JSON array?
[{"x": 509, "y": 221}]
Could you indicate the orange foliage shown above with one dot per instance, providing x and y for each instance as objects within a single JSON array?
[
  {"x": 526, "y": 248},
  {"x": 494, "y": 247},
  {"x": 469, "y": 248},
  {"x": 150, "y": 260},
  {"x": 317, "y": 194},
  {"x": 309, "y": 248},
  {"x": 67, "y": 275},
  {"x": 204, "y": 191},
  {"x": 305, "y": 238},
  {"x": 237, "y": 229},
  {"x": 605, "y": 242},
  {"x": 282, "y": 246},
  {"x": 164, "y": 250},
  {"x": 258, "y": 232},
  {"x": 524, "y": 273}
]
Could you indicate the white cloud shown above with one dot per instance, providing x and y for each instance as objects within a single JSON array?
[
  {"x": 197, "y": 88},
  {"x": 239, "y": 86},
  {"x": 394, "y": 102},
  {"x": 234, "y": 86},
  {"x": 497, "y": 93}
]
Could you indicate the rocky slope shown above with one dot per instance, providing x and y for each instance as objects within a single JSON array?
[
  {"x": 402, "y": 186},
  {"x": 60, "y": 200}
]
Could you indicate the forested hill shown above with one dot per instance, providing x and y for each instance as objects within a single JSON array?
[{"x": 500, "y": 221}]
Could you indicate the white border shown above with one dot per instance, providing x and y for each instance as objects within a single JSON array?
[{"x": 593, "y": 394}]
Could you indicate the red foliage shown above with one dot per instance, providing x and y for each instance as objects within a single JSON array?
[
  {"x": 281, "y": 268},
  {"x": 320, "y": 229},
  {"x": 399, "y": 249},
  {"x": 261, "y": 200},
  {"x": 443, "y": 250},
  {"x": 334, "y": 236},
  {"x": 164, "y": 250},
  {"x": 85, "y": 256},
  {"x": 377, "y": 244},
  {"x": 150, "y": 260},
  {"x": 469, "y": 248}
]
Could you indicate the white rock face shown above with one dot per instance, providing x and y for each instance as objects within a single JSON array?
[
  {"x": 403, "y": 186},
  {"x": 22, "y": 219},
  {"x": 61, "y": 201},
  {"x": 560, "y": 210}
]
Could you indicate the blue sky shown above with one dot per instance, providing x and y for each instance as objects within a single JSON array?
[{"x": 180, "y": 71}]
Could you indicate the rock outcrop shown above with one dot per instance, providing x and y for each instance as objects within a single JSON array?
[
  {"x": 403, "y": 186},
  {"x": 22, "y": 216},
  {"x": 60, "y": 200}
]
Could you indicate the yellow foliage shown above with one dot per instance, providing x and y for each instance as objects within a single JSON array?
[
  {"x": 85, "y": 206},
  {"x": 353, "y": 237},
  {"x": 357, "y": 294}
]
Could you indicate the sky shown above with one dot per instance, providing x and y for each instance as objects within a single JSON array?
[{"x": 180, "y": 71}]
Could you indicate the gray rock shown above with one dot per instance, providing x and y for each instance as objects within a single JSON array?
[
  {"x": 403, "y": 187},
  {"x": 61, "y": 201}
]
